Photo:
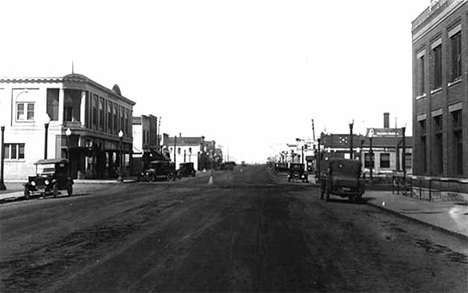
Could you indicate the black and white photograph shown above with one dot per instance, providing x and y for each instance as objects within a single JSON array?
[{"x": 233, "y": 146}]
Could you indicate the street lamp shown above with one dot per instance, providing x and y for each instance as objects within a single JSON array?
[
  {"x": 121, "y": 134},
  {"x": 2, "y": 163},
  {"x": 68, "y": 133},
  {"x": 351, "y": 124},
  {"x": 403, "y": 161},
  {"x": 46, "y": 126},
  {"x": 371, "y": 154}
]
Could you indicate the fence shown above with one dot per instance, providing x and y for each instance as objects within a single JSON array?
[{"x": 431, "y": 188}]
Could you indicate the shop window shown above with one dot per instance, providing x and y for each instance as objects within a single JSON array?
[{"x": 367, "y": 160}]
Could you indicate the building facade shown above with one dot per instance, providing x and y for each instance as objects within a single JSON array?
[
  {"x": 37, "y": 112},
  {"x": 440, "y": 90}
]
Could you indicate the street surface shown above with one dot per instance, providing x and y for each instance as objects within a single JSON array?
[{"x": 248, "y": 231}]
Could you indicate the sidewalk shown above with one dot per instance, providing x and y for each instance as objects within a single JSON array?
[{"x": 447, "y": 216}]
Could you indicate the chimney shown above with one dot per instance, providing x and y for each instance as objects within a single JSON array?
[{"x": 386, "y": 120}]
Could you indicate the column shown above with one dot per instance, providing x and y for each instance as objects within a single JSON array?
[
  {"x": 61, "y": 106},
  {"x": 83, "y": 109}
]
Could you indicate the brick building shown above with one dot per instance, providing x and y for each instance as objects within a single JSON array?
[
  {"x": 440, "y": 90},
  {"x": 37, "y": 112}
]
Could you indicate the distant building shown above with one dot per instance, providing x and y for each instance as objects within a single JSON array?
[
  {"x": 145, "y": 142},
  {"x": 187, "y": 149},
  {"x": 387, "y": 148},
  {"x": 94, "y": 114},
  {"x": 440, "y": 90}
]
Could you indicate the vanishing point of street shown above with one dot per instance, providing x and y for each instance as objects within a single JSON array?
[{"x": 249, "y": 230}]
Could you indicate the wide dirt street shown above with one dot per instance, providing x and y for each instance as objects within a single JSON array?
[{"x": 248, "y": 231}]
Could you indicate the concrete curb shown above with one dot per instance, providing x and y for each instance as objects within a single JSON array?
[{"x": 432, "y": 226}]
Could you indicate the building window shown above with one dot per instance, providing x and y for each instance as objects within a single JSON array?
[
  {"x": 178, "y": 151},
  {"x": 116, "y": 125},
  {"x": 190, "y": 150},
  {"x": 126, "y": 121},
  {"x": 384, "y": 160},
  {"x": 424, "y": 154},
  {"x": 53, "y": 103},
  {"x": 25, "y": 111},
  {"x": 437, "y": 70},
  {"x": 101, "y": 113},
  {"x": 367, "y": 160},
  {"x": 95, "y": 113},
  {"x": 122, "y": 119},
  {"x": 109, "y": 116},
  {"x": 408, "y": 160},
  {"x": 421, "y": 86},
  {"x": 438, "y": 145},
  {"x": 457, "y": 142},
  {"x": 14, "y": 151},
  {"x": 455, "y": 41},
  {"x": 422, "y": 127}
]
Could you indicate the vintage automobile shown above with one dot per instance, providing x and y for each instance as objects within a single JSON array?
[
  {"x": 297, "y": 172},
  {"x": 159, "y": 170},
  {"x": 343, "y": 178},
  {"x": 228, "y": 165},
  {"x": 51, "y": 177},
  {"x": 185, "y": 170}
]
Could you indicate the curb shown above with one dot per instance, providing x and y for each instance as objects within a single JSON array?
[{"x": 432, "y": 226}]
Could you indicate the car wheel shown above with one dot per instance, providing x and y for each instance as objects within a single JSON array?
[
  {"x": 55, "y": 190},
  {"x": 70, "y": 190},
  {"x": 151, "y": 178},
  {"x": 296, "y": 175},
  {"x": 170, "y": 177},
  {"x": 26, "y": 193}
]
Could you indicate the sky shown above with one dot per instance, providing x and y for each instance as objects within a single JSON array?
[{"x": 250, "y": 75}]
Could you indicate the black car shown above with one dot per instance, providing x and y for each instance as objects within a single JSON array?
[
  {"x": 343, "y": 178},
  {"x": 297, "y": 172},
  {"x": 51, "y": 177},
  {"x": 159, "y": 170},
  {"x": 185, "y": 170},
  {"x": 228, "y": 165}
]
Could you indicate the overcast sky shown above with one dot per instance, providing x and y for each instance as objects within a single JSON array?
[{"x": 249, "y": 74}]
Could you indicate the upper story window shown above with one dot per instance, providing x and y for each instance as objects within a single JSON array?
[
  {"x": 101, "y": 113},
  {"x": 420, "y": 73},
  {"x": 422, "y": 127},
  {"x": 384, "y": 160},
  {"x": 456, "y": 58},
  {"x": 25, "y": 111},
  {"x": 53, "y": 103},
  {"x": 95, "y": 110},
  {"x": 109, "y": 116},
  {"x": 437, "y": 66},
  {"x": 438, "y": 124},
  {"x": 116, "y": 122}
]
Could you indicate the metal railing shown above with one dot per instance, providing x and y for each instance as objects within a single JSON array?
[{"x": 430, "y": 188}]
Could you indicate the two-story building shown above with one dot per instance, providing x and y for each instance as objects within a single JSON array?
[{"x": 38, "y": 113}]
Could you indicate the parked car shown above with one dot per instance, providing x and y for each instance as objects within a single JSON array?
[
  {"x": 159, "y": 170},
  {"x": 228, "y": 165},
  {"x": 51, "y": 177},
  {"x": 297, "y": 172},
  {"x": 185, "y": 170},
  {"x": 342, "y": 178}
]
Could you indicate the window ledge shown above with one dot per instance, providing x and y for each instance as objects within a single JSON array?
[
  {"x": 421, "y": 96},
  {"x": 436, "y": 90},
  {"x": 456, "y": 81}
]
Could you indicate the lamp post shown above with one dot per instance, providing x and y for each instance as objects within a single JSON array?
[
  {"x": 371, "y": 155},
  {"x": 403, "y": 160},
  {"x": 351, "y": 124},
  {"x": 175, "y": 146},
  {"x": 318, "y": 158},
  {"x": 2, "y": 163},
  {"x": 67, "y": 134},
  {"x": 121, "y": 134},
  {"x": 46, "y": 126}
]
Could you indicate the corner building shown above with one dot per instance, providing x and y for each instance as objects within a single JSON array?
[
  {"x": 94, "y": 114},
  {"x": 440, "y": 90}
]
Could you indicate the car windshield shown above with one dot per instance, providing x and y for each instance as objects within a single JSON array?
[
  {"x": 46, "y": 169},
  {"x": 297, "y": 167}
]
